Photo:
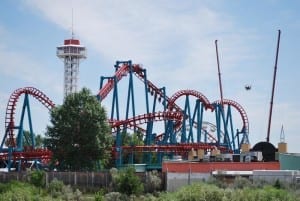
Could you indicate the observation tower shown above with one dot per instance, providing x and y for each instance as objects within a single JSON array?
[{"x": 71, "y": 52}]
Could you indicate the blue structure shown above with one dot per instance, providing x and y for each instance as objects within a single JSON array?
[{"x": 181, "y": 124}]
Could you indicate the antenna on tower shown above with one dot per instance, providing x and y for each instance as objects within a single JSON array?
[{"x": 72, "y": 24}]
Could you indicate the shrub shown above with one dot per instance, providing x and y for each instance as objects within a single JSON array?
[
  {"x": 99, "y": 196},
  {"x": 55, "y": 188},
  {"x": 127, "y": 182},
  {"x": 153, "y": 181},
  {"x": 37, "y": 178},
  {"x": 15, "y": 190},
  {"x": 200, "y": 191},
  {"x": 277, "y": 184},
  {"x": 241, "y": 182},
  {"x": 114, "y": 196}
]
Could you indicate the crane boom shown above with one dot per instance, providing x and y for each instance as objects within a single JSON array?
[
  {"x": 219, "y": 73},
  {"x": 273, "y": 87}
]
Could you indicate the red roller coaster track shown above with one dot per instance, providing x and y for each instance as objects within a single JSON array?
[
  {"x": 144, "y": 118},
  {"x": 194, "y": 93},
  {"x": 11, "y": 107}
]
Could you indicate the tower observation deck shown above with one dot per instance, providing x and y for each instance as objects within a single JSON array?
[{"x": 71, "y": 52}]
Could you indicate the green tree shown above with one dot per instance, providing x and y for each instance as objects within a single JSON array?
[{"x": 79, "y": 136}]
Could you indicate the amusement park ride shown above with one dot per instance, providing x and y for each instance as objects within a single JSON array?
[
  {"x": 171, "y": 125},
  {"x": 184, "y": 128}
]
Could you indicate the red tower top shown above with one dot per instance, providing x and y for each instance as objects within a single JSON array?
[{"x": 72, "y": 42}]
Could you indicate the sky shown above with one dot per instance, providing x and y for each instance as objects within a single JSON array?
[{"x": 173, "y": 39}]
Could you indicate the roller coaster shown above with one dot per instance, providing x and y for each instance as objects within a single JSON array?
[
  {"x": 13, "y": 153},
  {"x": 169, "y": 125},
  {"x": 183, "y": 124}
]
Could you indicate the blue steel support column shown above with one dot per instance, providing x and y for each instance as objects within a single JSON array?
[
  {"x": 130, "y": 99},
  {"x": 4, "y": 138},
  {"x": 199, "y": 120},
  {"x": 238, "y": 138},
  {"x": 115, "y": 101},
  {"x": 191, "y": 124},
  {"x": 130, "y": 93},
  {"x": 115, "y": 106},
  {"x": 169, "y": 137},
  {"x": 229, "y": 120},
  {"x": 149, "y": 127},
  {"x": 10, "y": 153},
  {"x": 20, "y": 127},
  {"x": 164, "y": 102},
  {"x": 30, "y": 123},
  {"x": 119, "y": 148},
  {"x": 146, "y": 90},
  {"x": 186, "y": 113},
  {"x": 160, "y": 155},
  {"x": 218, "y": 123},
  {"x": 19, "y": 139},
  {"x": 226, "y": 140}
]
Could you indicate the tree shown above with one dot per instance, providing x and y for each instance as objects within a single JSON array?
[{"x": 79, "y": 136}]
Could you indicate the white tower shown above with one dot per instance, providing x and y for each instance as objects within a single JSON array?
[{"x": 71, "y": 53}]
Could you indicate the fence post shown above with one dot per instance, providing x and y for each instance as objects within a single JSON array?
[
  {"x": 47, "y": 179},
  {"x": 93, "y": 179},
  {"x": 189, "y": 177}
]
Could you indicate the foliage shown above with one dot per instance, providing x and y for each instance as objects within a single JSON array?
[
  {"x": 57, "y": 189},
  {"x": 153, "y": 181},
  {"x": 15, "y": 190},
  {"x": 127, "y": 182},
  {"x": 209, "y": 192},
  {"x": 200, "y": 191},
  {"x": 37, "y": 178},
  {"x": 217, "y": 182},
  {"x": 19, "y": 191},
  {"x": 132, "y": 139},
  {"x": 277, "y": 184},
  {"x": 68, "y": 194},
  {"x": 79, "y": 136},
  {"x": 241, "y": 182},
  {"x": 114, "y": 196},
  {"x": 267, "y": 193},
  {"x": 99, "y": 196}
]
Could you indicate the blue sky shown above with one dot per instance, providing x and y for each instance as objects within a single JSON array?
[{"x": 174, "y": 40}]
